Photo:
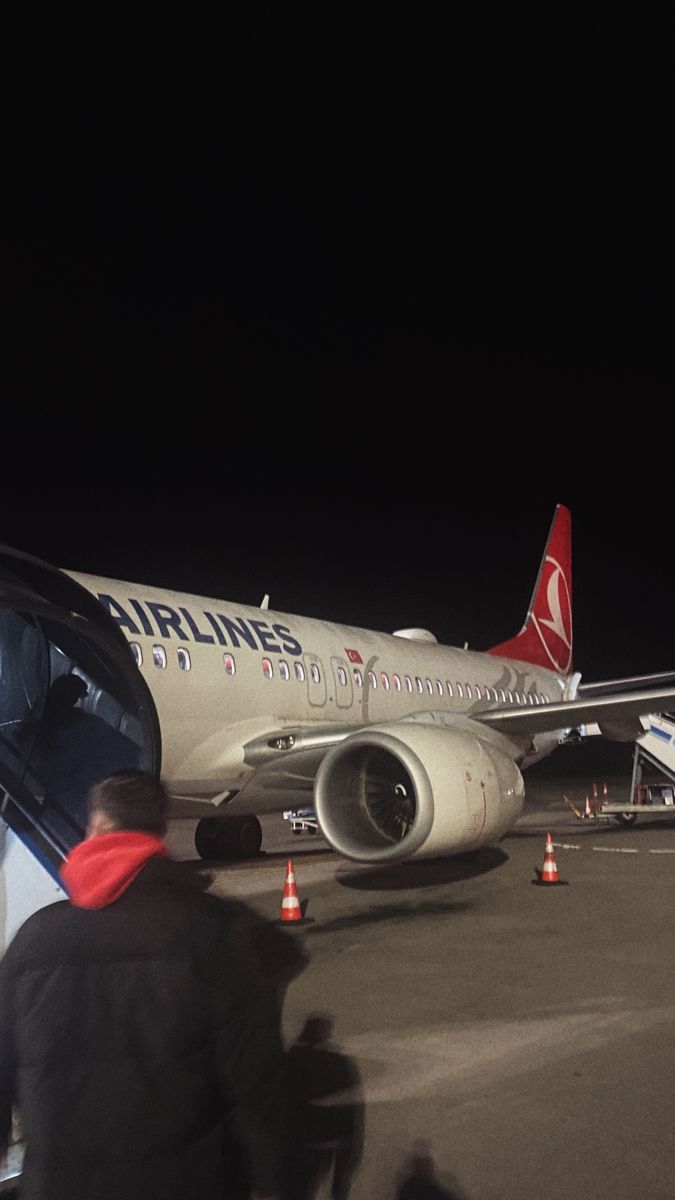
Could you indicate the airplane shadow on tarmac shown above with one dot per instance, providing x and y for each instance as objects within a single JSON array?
[{"x": 423, "y": 873}]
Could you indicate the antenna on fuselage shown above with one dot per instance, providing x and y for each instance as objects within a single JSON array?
[{"x": 265, "y": 601}]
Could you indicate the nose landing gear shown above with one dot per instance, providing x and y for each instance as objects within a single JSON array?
[{"x": 223, "y": 838}]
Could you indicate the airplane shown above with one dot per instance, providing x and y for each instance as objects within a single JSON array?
[{"x": 404, "y": 748}]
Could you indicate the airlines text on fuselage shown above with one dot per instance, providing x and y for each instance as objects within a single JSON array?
[{"x": 160, "y": 620}]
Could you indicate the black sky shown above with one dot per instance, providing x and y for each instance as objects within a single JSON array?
[{"x": 347, "y": 334}]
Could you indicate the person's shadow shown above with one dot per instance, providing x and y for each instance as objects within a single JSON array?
[
  {"x": 419, "y": 1182},
  {"x": 325, "y": 1111}
]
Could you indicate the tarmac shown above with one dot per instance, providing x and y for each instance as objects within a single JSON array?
[{"x": 465, "y": 1031}]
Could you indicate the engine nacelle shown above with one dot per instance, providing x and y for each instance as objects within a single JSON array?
[{"x": 401, "y": 790}]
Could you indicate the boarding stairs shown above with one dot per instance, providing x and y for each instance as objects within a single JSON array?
[
  {"x": 30, "y": 854},
  {"x": 654, "y": 751},
  {"x": 657, "y": 743}
]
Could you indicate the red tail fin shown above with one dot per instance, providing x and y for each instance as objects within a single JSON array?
[{"x": 546, "y": 637}]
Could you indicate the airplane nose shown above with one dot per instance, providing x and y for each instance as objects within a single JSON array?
[{"x": 73, "y": 704}]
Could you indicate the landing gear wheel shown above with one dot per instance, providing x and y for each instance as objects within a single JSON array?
[
  {"x": 227, "y": 838},
  {"x": 626, "y": 818}
]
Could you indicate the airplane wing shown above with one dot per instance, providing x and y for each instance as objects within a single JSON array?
[
  {"x": 615, "y": 714},
  {"x": 287, "y": 760},
  {"x": 606, "y": 687}
]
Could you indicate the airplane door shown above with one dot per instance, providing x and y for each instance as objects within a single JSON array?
[
  {"x": 342, "y": 677},
  {"x": 316, "y": 681},
  {"x": 73, "y": 705}
]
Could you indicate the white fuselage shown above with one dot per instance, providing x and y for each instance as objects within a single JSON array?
[{"x": 223, "y": 674}]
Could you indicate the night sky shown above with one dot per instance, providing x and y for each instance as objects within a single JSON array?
[{"x": 348, "y": 338}]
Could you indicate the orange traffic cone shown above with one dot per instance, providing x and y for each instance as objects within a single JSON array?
[
  {"x": 549, "y": 872},
  {"x": 290, "y": 905}
]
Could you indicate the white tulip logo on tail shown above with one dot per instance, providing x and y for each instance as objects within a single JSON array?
[{"x": 555, "y": 629}]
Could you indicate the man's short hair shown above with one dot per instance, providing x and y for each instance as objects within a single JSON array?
[{"x": 131, "y": 800}]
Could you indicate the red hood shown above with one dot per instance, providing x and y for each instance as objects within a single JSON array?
[{"x": 99, "y": 870}]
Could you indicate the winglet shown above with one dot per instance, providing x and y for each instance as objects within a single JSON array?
[{"x": 546, "y": 637}]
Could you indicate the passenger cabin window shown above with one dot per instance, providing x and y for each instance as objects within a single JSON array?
[
  {"x": 384, "y": 680},
  {"x": 183, "y": 657},
  {"x": 342, "y": 676},
  {"x": 137, "y": 653},
  {"x": 358, "y": 677},
  {"x": 372, "y": 679},
  {"x": 397, "y": 682},
  {"x": 448, "y": 686},
  {"x": 478, "y": 691},
  {"x": 229, "y": 664},
  {"x": 284, "y": 669},
  {"x": 315, "y": 673},
  {"x": 299, "y": 672},
  {"x": 159, "y": 656},
  {"x": 408, "y": 684},
  {"x": 510, "y": 696},
  {"x": 439, "y": 687},
  {"x": 502, "y": 695},
  {"x": 267, "y": 668},
  {"x": 469, "y": 693}
]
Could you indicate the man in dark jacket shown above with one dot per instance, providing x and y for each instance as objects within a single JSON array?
[{"x": 137, "y": 1035}]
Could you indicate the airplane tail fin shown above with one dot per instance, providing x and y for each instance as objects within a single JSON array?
[{"x": 546, "y": 637}]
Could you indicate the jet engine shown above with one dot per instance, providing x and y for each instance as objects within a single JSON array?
[{"x": 406, "y": 790}]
